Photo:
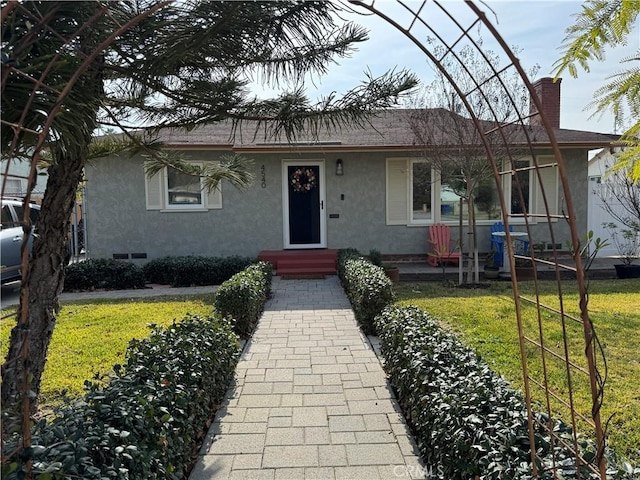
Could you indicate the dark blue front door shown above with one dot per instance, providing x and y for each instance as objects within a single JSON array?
[{"x": 305, "y": 205}]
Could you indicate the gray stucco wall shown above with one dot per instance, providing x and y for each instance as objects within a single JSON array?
[{"x": 252, "y": 220}]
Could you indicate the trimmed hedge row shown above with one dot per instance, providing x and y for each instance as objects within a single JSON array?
[
  {"x": 367, "y": 286},
  {"x": 147, "y": 421},
  {"x": 183, "y": 271},
  {"x": 242, "y": 297},
  {"x": 103, "y": 273},
  {"x": 186, "y": 271},
  {"x": 467, "y": 421}
]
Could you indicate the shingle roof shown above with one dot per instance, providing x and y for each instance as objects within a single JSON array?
[{"x": 388, "y": 129}]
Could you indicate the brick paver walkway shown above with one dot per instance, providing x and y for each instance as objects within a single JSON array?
[{"x": 310, "y": 400}]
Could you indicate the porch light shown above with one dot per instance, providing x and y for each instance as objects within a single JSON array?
[{"x": 339, "y": 170}]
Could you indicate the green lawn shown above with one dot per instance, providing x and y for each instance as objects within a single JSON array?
[
  {"x": 91, "y": 337},
  {"x": 485, "y": 320}
]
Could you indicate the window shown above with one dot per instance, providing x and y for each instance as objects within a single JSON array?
[
  {"x": 422, "y": 192},
  {"x": 524, "y": 178},
  {"x": 487, "y": 201},
  {"x": 183, "y": 190},
  {"x": 12, "y": 187},
  {"x": 7, "y": 218},
  {"x": 453, "y": 187},
  {"x": 432, "y": 197},
  {"x": 172, "y": 190}
]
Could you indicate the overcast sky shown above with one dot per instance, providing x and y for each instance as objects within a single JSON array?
[{"x": 536, "y": 27}]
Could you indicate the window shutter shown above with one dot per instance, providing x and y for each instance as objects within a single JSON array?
[
  {"x": 214, "y": 197},
  {"x": 153, "y": 187},
  {"x": 397, "y": 206},
  {"x": 549, "y": 178}
]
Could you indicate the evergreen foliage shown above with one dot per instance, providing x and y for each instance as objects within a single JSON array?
[
  {"x": 467, "y": 421},
  {"x": 243, "y": 296},
  {"x": 601, "y": 24},
  {"x": 147, "y": 422}
]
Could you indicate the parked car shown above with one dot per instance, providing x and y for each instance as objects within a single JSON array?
[{"x": 12, "y": 234}]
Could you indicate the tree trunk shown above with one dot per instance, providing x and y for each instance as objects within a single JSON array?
[{"x": 44, "y": 279}]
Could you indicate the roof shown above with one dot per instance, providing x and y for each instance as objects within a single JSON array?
[{"x": 387, "y": 130}]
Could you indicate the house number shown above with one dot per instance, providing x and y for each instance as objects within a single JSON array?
[{"x": 264, "y": 177}]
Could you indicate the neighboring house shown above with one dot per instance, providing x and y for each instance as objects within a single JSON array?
[
  {"x": 15, "y": 179},
  {"x": 599, "y": 185},
  {"x": 355, "y": 188}
]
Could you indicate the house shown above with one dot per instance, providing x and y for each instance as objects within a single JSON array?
[
  {"x": 601, "y": 186},
  {"x": 363, "y": 188},
  {"x": 15, "y": 173}
]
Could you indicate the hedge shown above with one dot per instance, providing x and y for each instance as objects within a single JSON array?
[
  {"x": 103, "y": 273},
  {"x": 467, "y": 421},
  {"x": 186, "y": 271},
  {"x": 146, "y": 423},
  {"x": 242, "y": 297},
  {"x": 367, "y": 286}
]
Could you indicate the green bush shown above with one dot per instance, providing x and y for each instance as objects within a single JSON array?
[
  {"x": 375, "y": 257},
  {"x": 243, "y": 296},
  {"x": 147, "y": 422},
  {"x": 103, "y": 273},
  {"x": 186, "y": 271},
  {"x": 367, "y": 286},
  {"x": 344, "y": 255},
  {"x": 467, "y": 422}
]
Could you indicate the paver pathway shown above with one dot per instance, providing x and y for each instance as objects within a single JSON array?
[{"x": 310, "y": 399}]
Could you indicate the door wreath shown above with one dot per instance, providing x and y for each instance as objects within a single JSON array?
[{"x": 303, "y": 180}]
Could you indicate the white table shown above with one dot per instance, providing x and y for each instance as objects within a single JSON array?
[{"x": 505, "y": 254}]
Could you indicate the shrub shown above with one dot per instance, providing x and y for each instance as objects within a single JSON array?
[
  {"x": 146, "y": 423},
  {"x": 243, "y": 296},
  {"x": 367, "y": 286},
  {"x": 375, "y": 257},
  {"x": 467, "y": 422},
  {"x": 103, "y": 273},
  {"x": 344, "y": 255},
  {"x": 186, "y": 271}
]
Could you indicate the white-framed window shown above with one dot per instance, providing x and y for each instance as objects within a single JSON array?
[
  {"x": 416, "y": 195},
  {"x": 172, "y": 190},
  {"x": 422, "y": 192},
  {"x": 522, "y": 177},
  {"x": 183, "y": 191}
]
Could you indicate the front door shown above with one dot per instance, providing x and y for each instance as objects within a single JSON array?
[{"x": 304, "y": 204}]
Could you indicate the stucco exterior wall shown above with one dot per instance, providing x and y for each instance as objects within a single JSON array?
[{"x": 252, "y": 220}]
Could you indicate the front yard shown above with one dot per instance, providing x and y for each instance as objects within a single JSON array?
[
  {"x": 90, "y": 337},
  {"x": 485, "y": 320}
]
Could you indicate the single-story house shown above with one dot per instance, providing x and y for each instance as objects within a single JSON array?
[{"x": 364, "y": 188}]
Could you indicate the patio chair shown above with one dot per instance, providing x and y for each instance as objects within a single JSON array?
[{"x": 440, "y": 246}]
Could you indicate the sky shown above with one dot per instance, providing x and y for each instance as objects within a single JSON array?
[{"x": 536, "y": 27}]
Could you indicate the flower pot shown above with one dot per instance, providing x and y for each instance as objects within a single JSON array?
[
  {"x": 627, "y": 271},
  {"x": 491, "y": 272},
  {"x": 393, "y": 273}
]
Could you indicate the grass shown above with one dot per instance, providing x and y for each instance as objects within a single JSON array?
[
  {"x": 90, "y": 337},
  {"x": 485, "y": 320}
]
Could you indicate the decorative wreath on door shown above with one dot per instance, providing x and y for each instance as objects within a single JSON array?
[{"x": 303, "y": 180}]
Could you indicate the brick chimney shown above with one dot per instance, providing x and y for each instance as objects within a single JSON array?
[{"x": 548, "y": 92}]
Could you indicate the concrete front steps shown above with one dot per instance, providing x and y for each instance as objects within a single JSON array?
[{"x": 302, "y": 263}]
